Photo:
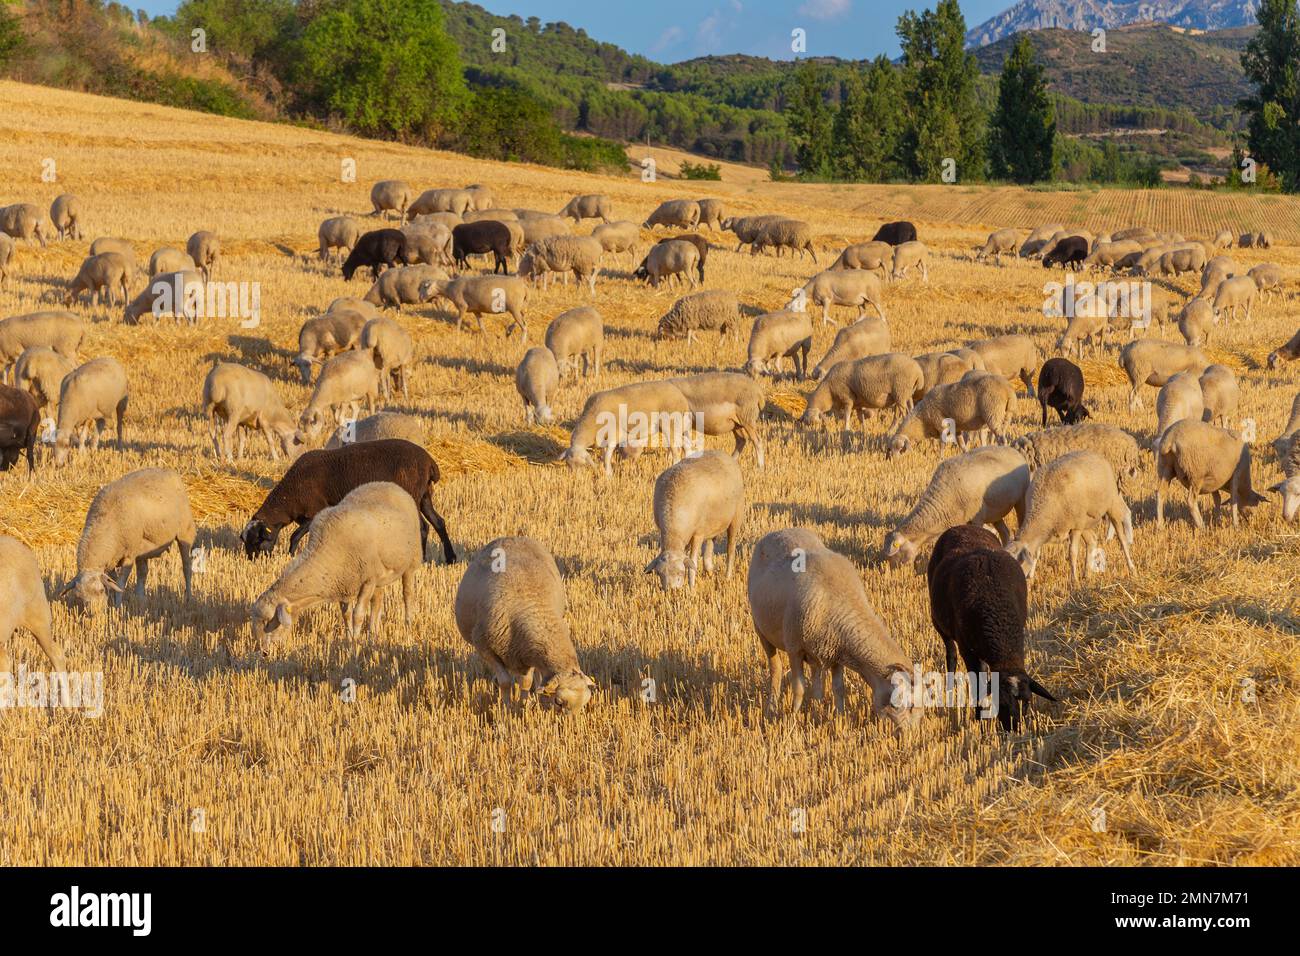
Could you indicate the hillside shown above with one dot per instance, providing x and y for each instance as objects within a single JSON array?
[{"x": 1088, "y": 15}]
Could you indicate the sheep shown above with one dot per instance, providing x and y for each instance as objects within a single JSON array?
[
  {"x": 91, "y": 395},
  {"x": 337, "y": 232},
  {"x": 510, "y": 607},
  {"x": 668, "y": 259},
  {"x": 1179, "y": 398},
  {"x": 981, "y": 400},
  {"x": 541, "y": 227},
  {"x": 476, "y": 295},
  {"x": 1037, "y": 239},
  {"x": 65, "y": 213},
  {"x": 851, "y": 287},
  {"x": 809, "y": 601},
  {"x": 431, "y": 246},
  {"x": 747, "y": 228},
  {"x": 109, "y": 244},
  {"x": 778, "y": 335},
  {"x": 1221, "y": 392},
  {"x": 1060, "y": 386},
  {"x": 61, "y": 331},
  {"x": 25, "y": 604},
  {"x": 577, "y": 333},
  {"x": 870, "y": 256},
  {"x": 1061, "y": 235},
  {"x": 1286, "y": 353},
  {"x": 1178, "y": 261},
  {"x": 1234, "y": 293},
  {"x": 630, "y": 418},
  {"x": 1207, "y": 461},
  {"x": 1011, "y": 356},
  {"x": 236, "y": 398},
  {"x": 725, "y": 403},
  {"x": 131, "y": 520},
  {"x": 325, "y": 336},
  {"x": 205, "y": 249},
  {"x": 377, "y": 427},
  {"x": 979, "y": 604},
  {"x": 699, "y": 312},
  {"x": 999, "y": 242},
  {"x": 1114, "y": 444},
  {"x": 621, "y": 236},
  {"x": 168, "y": 259},
  {"x": 100, "y": 275},
  {"x": 1070, "y": 497},
  {"x": 20, "y": 424},
  {"x": 1109, "y": 255},
  {"x": 344, "y": 381},
  {"x": 711, "y": 213},
  {"x": 591, "y": 206},
  {"x": 564, "y": 254},
  {"x": 478, "y": 238},
  {"x": 376, "y": 250},
  {"x": 318, "y": 479},
  {"x": 40, "y": 372},
  {"x": 448, "y": 220},
  {"x": 1247, "y": 240},
  {"x": 1133, "y": 232},
  {"x": 357, "y": 548},
  {"x": 1069, "y": 252},
  {"x": 867, "y": 336},
  {"x": 679, "y": 213},
  {"x": 6, "y": 257},
  {"x": 1087, "y": 326},
  {"x": 792, "y": 234},
  {"x": 1268, "y": 277},
  {"x": 1215, "y": 271},
  {"x": 442, "y": 200},
  {"x": 499, "y": 215},
  {"x": 23, "y": 221},
  {"x": 895, "y": 233},
  {"x": 1264, "y": 240},
  {"x": 393, "y": 353},
  {"x": 392, "y": 195},
  {"x": 536, "y": 379},
  {"x": 910, "y": 254},
  {"x": 1287, "y": 448},
  {"x": 481, "y": 197},
  {"x": 347, "y": 303},
  {"x": 1154, "y": 362},
  {"x": 1194, "y": 322},
  {"x": 941, "y": 368},
  {"x": 695, "y": 501},
  {"x": 980, "y": 487},
  {"x": 518, "y": 239},
  {"x": 874, "y": 382},
  {"x": 1223, "y": 239},
  {"x": 699, "y": 242},
  {"x": 401, "y": 285}
]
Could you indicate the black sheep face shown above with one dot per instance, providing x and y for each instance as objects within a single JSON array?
[
  {"x": 1075, "y": 415},
  {"x": 258, "y": 539},
  {"x": 1013, "y": 702}
]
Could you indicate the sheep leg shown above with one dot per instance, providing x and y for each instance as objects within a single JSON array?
[
  {"x": 796, "y": 680},
  {"x": 837, "y": 687},
  {"x": 1123, "y": 526},
  {"x": 408, "y": 592},
  {"x": 213, "y": 434},
  {"x": 121, "y": 577},
  {"x": 186, "y": 549},
  {"x": 774, "y": 675},
  {"x": 361, "y": 609},
  {"x": 708, "y": 555},
  {"x": 609, "y": 457},
  {"x": 1196, "y": 511},
  {"x": 243, "y": 441},
  {"x": 297, "y": 535},
  {"x": 1074, "y": 555},
  {"x": 1004, "y": 533}
]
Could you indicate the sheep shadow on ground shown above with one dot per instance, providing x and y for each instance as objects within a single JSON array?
[
  {"x": 537, "y": 449},
  {"x": 465, "y": 363}
]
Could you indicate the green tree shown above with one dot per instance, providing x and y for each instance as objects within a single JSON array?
[
  {"x": 1022, "y": 137},
  {"x": 869, "y": 124},
  {"x": 812, "y": 122},
  {"x": 12, "y": 40},
  {"x": 1272, "y": 64},
  {"x": 248, "y": 29}
]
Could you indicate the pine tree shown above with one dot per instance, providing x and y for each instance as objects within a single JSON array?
[
  {"x": 812, "y": 122},
  {"x": 869, "y": 124},
  {"x": 1272, "y": 64},
  {"x": 1022, "y": 140}
]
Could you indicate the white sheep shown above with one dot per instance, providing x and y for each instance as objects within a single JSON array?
[
  {"x": 1268, "y": 279},
  {"x": 25, "y": 605},
  {"x": 476, "y": 295},
  {"x": 346, "y": 303},
  {"x": 536, "y": 379},
  {"x": 1194, "y": 322},
  {"x": 867, "y": 336},
  {"x": 61, "y": 331},
  {"x": 102, "y": 276},
  {"x": 236, "y": 398},
  {"x": 621, "y": 236},
  {"x": 393, "y": 351},
  {"x": 1000, "y": 242},
  {"x": 431, "y": 244},
  {"x": 591, "y": 206},
  {"x": 778, "y": 335},
  {"x": 324, "y": 336},
  {"x": 695, "y": 501},
  {"x": 178, "y": 294},
  {"x": 792, "y": 234},
  {"x": 205, "y": 249},
  {"x": 1207, "y": 461},
  {"x": 40, "y": 372},
  {"x": 1086, "y": 327},
  {"x": 631, "y": 418},
  {"x": 65, "y": 213},
  {"x": 1012, "y": 357},
  {"x": 1154, "y": 362},
  {"x": 401, "y": 286},
  {"x": 377, "y": 427},
  {"x": 944, "y": 368},
  {"x": 856, "y": 288},
  {"x": 23, "y": 221},
  {"x": 481, "y": 196},
  {"x": 909, "y": 255},
  {"x": 1179, "y": 398},
  {"x": 1234, "y": 293},
  {"x": 666, "y": 260},
  {"x": 90, "y": 395},
  {"x": 711, "y": 213},
  {"x": 1114, "y": 444},
  {"x": 1033, "y": 245},
  {"x": 169, "y": 259},
  {"x": 579, "y": 255},
  {"x": 700, "y": 312},
  {"x": 872, "y": 256},
  {"x": 725, "y": 403},
  {"x": 456, "y": 201},
  {"x": 681, "y": 213},
  {"x": 344, "y": 381},
  {"x": 337, "y": 232},
  {"x": 1221, "y": 392},
  {"x": 747, "y": 228},
  {"x": 863, "y": 385},
  {"x": 392, "y": 195},
  {"x": 980, "y": 401},
  {"x": 577, "y": 333}
]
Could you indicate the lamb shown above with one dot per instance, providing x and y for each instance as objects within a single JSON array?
[
  {"x": 205, "y": 249},
  {"x": 695, "y": 501},
  {"x": 1003, "y": 241},
  {"x": 1268, "y": 277},
  {"x": 133, "y": 519},
  {"x": 377, "y": 427},
  {"x": 1060, "y": 386},
  {"x": 668, "y": 259},
  {"x": 980, "y": 487},
  {"x": 393, "y": 353},
  {"x": 874, "y": 382},
  {"x": 90, "y": 395},
  {"x": 1110, "y": 255},
  {"x": 577, "y": 333},
  {"x": 591, "y": 206},
  {"x": 1033, "y": 245},
  {"x": 621, "y": 236},
  {"x": 481, "y": 196},
  {"x": 401, "y": 285},
  {"x": 100, "y": 275},
  {"x": 1221, "y": 392},
  {"x": 236, "y": 398},
  {"x": 1207, "y": 461},
  {"x": 443, "y": 200},
  {"x": 1154, "y": 362},
  {"x": 979, "y": 604},
  {"x": 20, "y": 424},
  {"x": 867, "y": 336},
  {"x": 809, "y": 601},
  {"x": 792, "y": 234},
  {"x": 870, "y": 256},
  {"x": 1179, "y": 398},
  {"x": 536, "y": 379},
  {"x": 476, "y": 295},
  {"x": 545, "y": 226},
  {"x": 723, "y": 403},
  {"x": 778, "y": 335},
  {"x": 711, "y": 213},
  {"x": 1011, "y": 356},
  {"x": 564, "y": 254},
  {"x": 631, "y": 418},
  {"x": 478, "y": 238},
  {"x": 851, "y": 287},
  {"x": 61, "y": 331},
  {"x": 337, "y": 232},
  {"x": 40, "y": 372},
  {"x": 325, "y": 336},
  {"x": 895, "y": 233},
  {"x": 65, "y": 213},
  {"x": 679, "y": 213},
  {"x": 344, "y": 381},
  {"x": 699, "y": 312},
  {"x": 981, "y": 400},
  {"x": 510, "y": 607},
  {"x": 389, "y": 195},
  {"x": 908, "y": 255},
  {"x": 6, "y": 257},
  {"x": 23, "y": 221},
  {"x": 1194, "y": 322},
  {"x": 1071, "y": 497},
  {"x": 376, "y": 250},
  {"x": 168, "y": 259},
  {"x": 357, "y": 548},
  {"x": 25, "y": 604},
  {"x": 1233, "y": 293},
  {"x": 1286, "y": 353}
]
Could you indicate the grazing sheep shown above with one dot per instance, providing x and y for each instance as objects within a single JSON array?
[
  {"x": 1268, "y": 277},
  {"x": 120, "y": 246},
  {"x": 941, "y": 368},
  {"x": 318, "y": 479},
  {"x": 401, "y": 285},
  {"x": 809, "y": 601},
  {"x": 665, "y": 260},
  {"x": 168, "y": 259},
  {"x": 1233, "y": 293},
  {"x": 1088, "y": 327},
  {"x": 356, "y": 548},
  {"x": 456, "y": 201},
  {"x": 631, "y": 418},
  {"x": 479, "y": 238},
  {"x": 65, "y": 213},
  {"x": 1071, "y": 497},
  {"x": 1179, "y": 398},
  {"x": 1069, "y": 252},
  {"x": 700, "y": 312},
  {"x": 1133, "y": 232},
  {"x": 499, "y": 215},
  {"x": 536, "y": 379},
  {"x": 432, "y": 220},
  {"x": 1215, "y": 271},
  {"x": 344, "y": 381},
  {"x": 376, "y": 250},
  {"x": 101, "y": 276},
  {"x": 1114, "y": 444},
  {"x": 6, "y": 257},
  {"x": 393, "y": 352},
  {"x": 337, "y": 232},
  {"x": 621, "y": 236},
  {"x": 431, "y": 246},
  {"x": 908, "y": 255},
  {"x": 869, "y": 256},
  {"x": 1287, "y": 448},
  {"x": 981, "y": 400},
  {"x": 61, "y": 331},
  {"x": 980, "y": 487},
  {"x": 325, "y": 336},
  {"x": 90, "y": 395},
  {"x": 40, "y": 371},
  {"x": 544, "y": 226},
  {"x": 577, "y": 333},
  {"x": 25, "y": 604},
  {"x": 476, "y": 295},
  {"x": 20, "y": 424},
  {"x": 1011, "y": 356},
  {"x": 778, "y": 335},
  {"x": 1003, "y": 241},
  {"x": 1060, "y": 386},
  {"x": 510, "y": 607},
  {"x": 1223, "y": 239},
  {"x": 1038, "y": 239},
  {"x": 747, "y": 228},
  {"x": 695, "y": 501},
  {"x": 792, "y": 234},
  {"x": 866, "y": 384},
  {"x": 1176, "y": 262},
  {"x": 1207, "y": 461},
  {"x": 1110, "y": 255},
  {"x": 481, "y": 197},
  {"x": 131, "y": 520},
  {"x": 205, "y": 249},
  {"x": 347, "y": 303},
  {"x": 23, "y": 221},
  {"x": 698, "y": 241},
  {"x": 377, "y": 427},
  {"x": 726, "y": 403},
  {"x": 867, "y": 336},
  {"x": 591, "y": 206},
  {"x": 1194, "y": 322},
  {"x": 711, "y": 213},
  {"x": 242, "y": 399},
  {"x": 1221, "y": 392},
  {"x": 392, "y": 195},
  {"x": 895, "y": 233},
  {"x": 979, "y": 604},
  {"x": 678, "y": 213},
  {"x": 1061, "y": 235},
  {"x": 1154, "y": 362},
  {"x": 1247, "y": 240},
  {"x": 856, "y": 288},
  {"x": 1286, "y": 353},
  {"x": 564, "y": 254}
]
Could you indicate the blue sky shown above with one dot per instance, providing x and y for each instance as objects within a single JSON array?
[{"x": 671, "y": 30}]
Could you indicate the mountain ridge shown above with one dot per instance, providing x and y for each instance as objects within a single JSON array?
[{"x": 1088, "y": 15}]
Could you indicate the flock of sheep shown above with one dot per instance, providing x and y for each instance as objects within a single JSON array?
[{"x": 363, "y": 503}]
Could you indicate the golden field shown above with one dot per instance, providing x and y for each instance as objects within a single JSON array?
[{"x": 1179, "y": 713}]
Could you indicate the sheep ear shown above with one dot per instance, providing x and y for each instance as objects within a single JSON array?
[
  {"x": 549, "y": 688},
  {"x": 284, "y": 614},
  {"x": 1039, "y": 689},
  {"x": 109, "y": 582},
  {"x": 653, "y": 565},
  {"x": 67, "y": 588},
  {"x": 591, "y": 683}
]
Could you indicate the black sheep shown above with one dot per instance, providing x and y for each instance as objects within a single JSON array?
[
  {"x": 1069, "y": 252},
  {"x": 20, "y": 423},
  {"x": 477, "y": 238},
  {"x": 319, "y": 479},
  {"x": 1060, "y": 386},
  {"x": 895, "y": 233},
  {"x": 380, "y": 247},
  {"x": 979, "y": 602}
]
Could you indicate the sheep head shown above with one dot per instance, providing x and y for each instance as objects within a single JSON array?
[
  {"x": 671, "y": 568},
  {"x": 258, "y": 538},
  {"x": 570, "y": 692},
  {"x": 89, "y": 590}
]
